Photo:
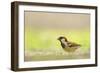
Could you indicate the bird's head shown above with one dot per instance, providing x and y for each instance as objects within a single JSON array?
[{"x": 62, "y": 37}]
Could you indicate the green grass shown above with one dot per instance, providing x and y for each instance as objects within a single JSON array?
[{"x": 44, "y": 39}]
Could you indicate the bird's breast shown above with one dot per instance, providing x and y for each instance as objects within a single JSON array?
[{"x": 70, "y": 49}]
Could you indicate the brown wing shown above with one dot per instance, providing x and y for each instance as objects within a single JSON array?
[{"x": 72, "y": 44}]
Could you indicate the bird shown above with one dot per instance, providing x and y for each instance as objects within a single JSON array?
[{"x": 67, "y": 45}]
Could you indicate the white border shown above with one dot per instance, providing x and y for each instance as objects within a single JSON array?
[{"x": 23, "y": 64}]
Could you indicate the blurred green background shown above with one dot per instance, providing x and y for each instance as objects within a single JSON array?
[{"x": 43, "y": 29}]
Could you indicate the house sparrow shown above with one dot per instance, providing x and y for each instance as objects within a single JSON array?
[{"x": 67, "y": 45}]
